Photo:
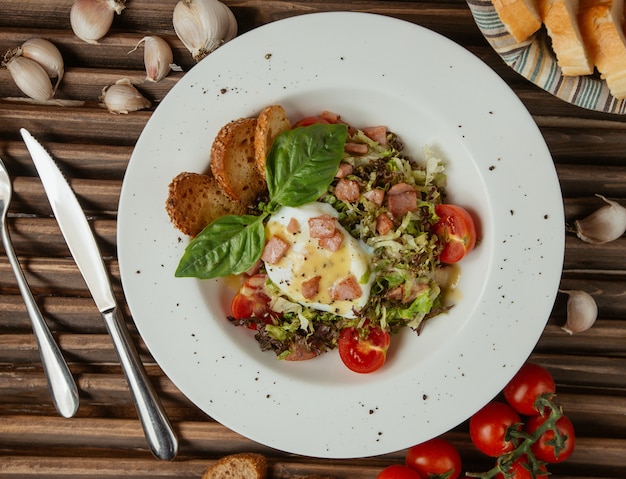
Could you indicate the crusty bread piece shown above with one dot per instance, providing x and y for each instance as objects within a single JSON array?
[
  {"x": 271, "y": 122},
  {"x": 561, "y": 20},
  {"x": 520, "y": 17},
  {"x": 233, "y": 161},
  {"x": 245, "y": 465},
  {"x": 601, "y": 24},
  {"x": 195, "y": 200}
]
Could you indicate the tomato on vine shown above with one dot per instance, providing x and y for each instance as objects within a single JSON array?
[
  {"x": 530, "y": 382},
  {"x": 520, "y": 469},
  {"x": 489, "y": 427},
  {"x": 398, "y": 471},
  {"x": 435, "y": 458},
  {"x": 548, "y": 447}
]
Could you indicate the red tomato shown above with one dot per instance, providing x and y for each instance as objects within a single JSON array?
[
  {"x": 530, "y": 382},
  {"x": 488, "y": 428},
  {"x": 398, "y": 471},
  {"x": 363, "y": 355},
  {"x": 457, "y": 230},
  {"x": 251, "y": 300},
  {"x": 311, "y": 120},
  {"x": 436, "y": 457},
  {"x": 519, "y": 470},
  {"x": 543, "y": 448}
]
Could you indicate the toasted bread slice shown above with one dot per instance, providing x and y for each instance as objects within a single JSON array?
[
  {"x": 271, "y": 122},
  {"x": 520, "y": 17},
  {"x": 233, "y": 161},
  {"x": 561, "y": 20},
  {"x": 195, "y": 200},
  {"x": 601, "y": 26},
  {"x": 243, "y": 465}
]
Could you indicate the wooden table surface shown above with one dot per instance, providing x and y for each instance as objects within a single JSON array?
[{"x": 105, "y": 439}]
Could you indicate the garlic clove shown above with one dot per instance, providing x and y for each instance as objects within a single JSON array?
[
  {"x": 157, "y": 56},
  {"x": 582, "y": 311},
  {"x": 603, "y": 225},
  {"x": 123, "y": 97},
  {"x": 202, "y": 25},
  {"x": 30, "y": 77},
  {"x": 231, "y": 31},
  {"x": 47, "y": 55},
  {"x": 92, "y": 19}
]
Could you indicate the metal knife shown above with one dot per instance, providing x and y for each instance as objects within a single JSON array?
[{"x": 82, "y": 244}]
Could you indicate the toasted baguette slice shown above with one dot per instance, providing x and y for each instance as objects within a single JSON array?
[
  {"x": 244, "y": 465},
  {"x": 195, "y": 200},
  {"x": 520, "y": 17},
  {"x": 233, "y": 163},
  {"x": 561, "y": 20},
  {"x": 271, "y": 122},
  {"x": 601, "y": 25}
]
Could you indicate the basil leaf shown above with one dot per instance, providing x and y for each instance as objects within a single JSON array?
[
  {"x": 302, "y": 163},
  {"x": 229, "y": 245}
]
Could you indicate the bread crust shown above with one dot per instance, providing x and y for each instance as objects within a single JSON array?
[
  {"x": 601, "y": 26},
  {"x": 271, "y": 122},
  {"x": 195, "y": 200},
  {"x": 233, "y": 161},
  {"x": 244, "y": 465},
  {"x": 520, "y": 17}
]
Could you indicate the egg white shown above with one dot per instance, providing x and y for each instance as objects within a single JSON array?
[{"x": 305, "y": 259}]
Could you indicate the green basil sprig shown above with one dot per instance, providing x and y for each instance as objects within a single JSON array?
[{"x": 299, "y": 167}]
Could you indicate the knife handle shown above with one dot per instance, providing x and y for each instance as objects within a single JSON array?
[{"x": 157, "y": 428}]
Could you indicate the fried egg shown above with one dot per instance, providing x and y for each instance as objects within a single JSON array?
[{"x": 318, "y": 272}]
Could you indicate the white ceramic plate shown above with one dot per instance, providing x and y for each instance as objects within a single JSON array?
[{"x": 372, "y": 70}]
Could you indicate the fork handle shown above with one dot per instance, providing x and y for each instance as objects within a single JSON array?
[{"x": 60, "y": 381}]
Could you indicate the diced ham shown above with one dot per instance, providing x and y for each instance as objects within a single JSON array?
[
  {"x": 311, "y": 287},
  {"x": 344, "y": 170},
  {"x": 398, "y": 293},
  {"x": 333, "y": 243},
  {"x": 376, "y": 196},
  {"x": 347, "y": 190},
  {"x": 293, "y": 226},
  {"x": 330, "y": 117},
  {"x": 299, "y": 351},
  {"x": 401, "y": 198},
  {"x": 376, "y": 133},
  {"x": 384, "y": 224},
  {"x": 355, "y": 148},
  {"x": 275, "y": 249},
  {"x": 347, "y": 289},
  {"x": 322, "y": 226}
]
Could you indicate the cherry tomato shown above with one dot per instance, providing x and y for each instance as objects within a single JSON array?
[
  {"x": 363, "y": 354},
  {"x": 543, "y": 448},
  {"x": 456, "y": 228},
  {"x": 398, "y": 471},
  {"x": 530, "y": 382},
  {"x": 251, "y": 300},
  {"x": 311, "y": 120},
  {"x": 488, "y": 428},
  {"x": 519, "y": 470},
  {"x": 436, "y": 457}
]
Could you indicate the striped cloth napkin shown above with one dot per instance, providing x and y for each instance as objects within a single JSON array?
[{"x": 534, "y": 60}]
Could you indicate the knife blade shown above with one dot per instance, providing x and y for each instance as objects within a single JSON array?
[{"x": 82, "y": 244}]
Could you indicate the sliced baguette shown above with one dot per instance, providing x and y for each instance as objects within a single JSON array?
[
  {"x": 233, "y": 161},
  {"x": 271, "y": 122},
  {"x": 520, "y": 17},
  {"x": 601, "y": 24},
  {"x": 195, "y": 200},
  {"x": 561, "y": 20},
  {"x": 243, "y": 465}
]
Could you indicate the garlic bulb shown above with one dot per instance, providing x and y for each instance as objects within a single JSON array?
[
  {"x": 604, "y": 225},
  {"x": 203, "y": 25},
  {"x": 123, "y": 97},
  {"x": 92, "y": 19},
  {"x": 582, "y": 311},
  {"x": 47, "y": 55},
  {"x": 157, "y": 57},
  {"x": 30, "y": 77}
]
